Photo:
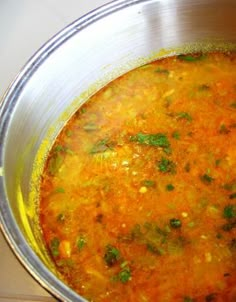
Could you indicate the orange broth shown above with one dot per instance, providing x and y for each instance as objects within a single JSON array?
[{"x": 138, "y": 194}]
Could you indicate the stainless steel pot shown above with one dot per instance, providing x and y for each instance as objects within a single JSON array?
[{"x": 74, "y": 64}]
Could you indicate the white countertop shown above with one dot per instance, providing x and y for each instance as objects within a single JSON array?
[{"x": 25, "y": 25}]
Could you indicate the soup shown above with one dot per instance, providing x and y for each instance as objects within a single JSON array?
[{"x": 138, "y": 194}]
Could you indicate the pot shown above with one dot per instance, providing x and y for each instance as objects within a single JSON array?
[{"x": 63, "y": 74}]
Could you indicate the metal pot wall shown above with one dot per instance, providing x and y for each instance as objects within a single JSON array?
[{"x": 76, "y": 62}]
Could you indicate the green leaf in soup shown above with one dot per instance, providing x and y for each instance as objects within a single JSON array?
[
  {"x": 55, "y": 163},
  {"x": 61, "y": 217},
  {"x": 149, "y": 183},
  {"x": 170, "y": 187},
  {"x": 230, "y": 186},
  {"x": 223, "y": 129},
  {"x": 176, "y": 135},
  {"x": 232, "y": 196},
  {"x": 175, "y": 223},
  {"x": 228, "y": 227},
  {"x": 206, "y": 179},
  {"x": 69, "y": 133},
  {"x": 184, "y": 115},
  {"x": 59, "y": 190},
  {"x": 112, "y": 255},
  {"x": 166, "y": 166},
  {"x": 158, "y": 139},
  {"x": 229, "y": 211},
  {"x": 125, "y": 274},
  {"x": 154, "y": 249},
  {"x": 58, "y": 148},
  {"x": 81, "y": 242},
  {"x": 102, "y": 146},
  {"x": 191, "y": 58},
  {"x": 162, "y": 70},
  {"x": 54, "y": 246}
]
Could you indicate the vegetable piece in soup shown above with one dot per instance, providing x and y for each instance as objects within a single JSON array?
[{"x": 138, "y": 194}]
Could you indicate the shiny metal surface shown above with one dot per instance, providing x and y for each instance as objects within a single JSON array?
[{"x": 94, "y": 49}]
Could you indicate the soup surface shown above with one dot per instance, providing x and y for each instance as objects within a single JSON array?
[{"x": 138, "y": 195}]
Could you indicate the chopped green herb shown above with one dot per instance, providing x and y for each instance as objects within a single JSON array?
[
  {"x": 61, "y": 217},
  {"x": 125, "y": 274},
  {"x": 167, "y": 101},
  {"x": 69, "y": 151},
  {"x": 176, "y": 135},
  {"x": 167, "y": 150},
  {"x": 229, "y": 211},
  {"x": 54, "y": 246},
  {"x": 223, "y": 129},
  {"x": 102, "y": 146},
  {"x": 157, "y": 240},
  {"x": 124, "y": 264},
  {"x": 56, "y": 160},
  {"x": 59, "y": 190},
  {"x": 154, "y": 230},
  {"x": 175, "y": 223},
  {"x": 65, "y": 263},
  {"x": 136, "y": 232},
  {"x": 191, "y": 224},
  {"x": 81, "y": 242},
  {"x": 157, "y": 140},
  {"x": 230, "y": 186},
  {"x": 161, "y": 70},
  {"x": 227, "y": 227},
  {"x": 232, "y": 196},
  {"x": 149, "y": 183},
  {"x": 55, "y": 163},
  {"x": 153, "y": 248},
  {"x": 170, "y": 187},
  {"x": 217, "y": 162},
  {"x": 69, "y": 133},
  {"x": 112, "y": 255},
  {"x": 184, "y": 115},
  {"x": 191, "y": 58},
  {"x": 159, "y": 231},
  {"x": 166, "y": 166},
  {"x": 58, "y": 148},
  {"x": 206, "y": 179},
  {"x": 83, "y": 110}
]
